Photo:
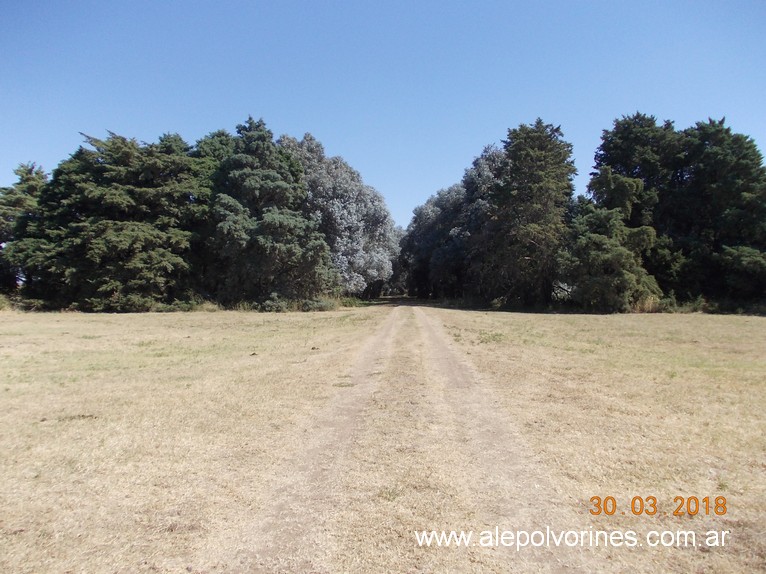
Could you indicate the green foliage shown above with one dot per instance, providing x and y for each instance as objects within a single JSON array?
[
  {"x": 242, "y": 221},
  {"x": 351, "y": 216},
  {"x": 638, "y": 148},
  {"x": 703, "y": 191},
  {"x": 745, "y": 272},
  {"x": 602, "y": 268},
  {"x": 124, "y": 226},
  {"x": 497, "y": 236},
  {"x": 679, "y": 212},
  {"x": 111, "y": 230},
  {"x": 18, "y": 205},
  {"x": 434, "y": 247},
  {"x": 514, "y": 254},
  {"x": 261, "y": 244}
]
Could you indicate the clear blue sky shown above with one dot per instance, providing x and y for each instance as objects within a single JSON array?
[{"x": 407, "y": 92}]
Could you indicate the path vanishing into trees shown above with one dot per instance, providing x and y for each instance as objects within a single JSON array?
[{"x": 415, "y": 442}]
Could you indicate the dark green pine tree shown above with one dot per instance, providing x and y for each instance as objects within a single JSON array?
[
  {"x": 527, "y": 226},
  {"x": 18, "y": 206},
  {"x": 703, "y": 190},
  {"x": 719, "y": 215},
  {"x": 602, "y": 268},
  {"x": 112, "y": 228},
  {"x": 262, "y": 244},
  {"x": 639, "y": 149}
]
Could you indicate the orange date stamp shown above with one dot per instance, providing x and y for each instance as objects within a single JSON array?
[{"x": 648, "y": 506}]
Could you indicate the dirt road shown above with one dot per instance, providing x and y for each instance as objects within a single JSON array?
[{"x": 415, "y": 442}]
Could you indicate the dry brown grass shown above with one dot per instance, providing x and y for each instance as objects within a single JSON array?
[
  {"x": 127, "y": 440},
  {"x": 640, "y": 405},
  {"x": 228, "y": 442}
]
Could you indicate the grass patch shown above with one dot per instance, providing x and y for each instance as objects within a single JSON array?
[
  {"x": 670, "y": 404},
  {"x": 490, "y": 337}
]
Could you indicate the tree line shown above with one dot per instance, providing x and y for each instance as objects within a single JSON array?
[
  {"x": 670, "y": 217},
  {"x": 237, "y": 219}
]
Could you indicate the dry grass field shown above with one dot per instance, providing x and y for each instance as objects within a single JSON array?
[{"x": 244, "y": 442}]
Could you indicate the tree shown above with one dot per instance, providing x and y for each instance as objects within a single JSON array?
[
  {"x": 261, "y": 242},
  {"x": 527, "y": 225},
  {"x": 433, "y": 248},
  {"x": 638, "y": 148},
  {"x": 352, "y": 216},
  {"x": 719, "y": 213},
  {"x": 479, "y": 223},
  {"x": 703, "y": 190},
  {"x": 18, "y": 206},
  {"x": 497, "y": 236},
  {"x": 602, "y": 267},
  {"x": 109, "y": 233}
]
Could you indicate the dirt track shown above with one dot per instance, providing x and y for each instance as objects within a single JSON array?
[{"x": 414, "y": 442}]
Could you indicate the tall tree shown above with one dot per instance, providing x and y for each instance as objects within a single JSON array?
[
  {"x": 433, "y": 249},
  {"x": 637, "y": 163},
  {"x": 702, "y": 190},
  {"x": 602, "y": 267},
  {"x": 352, "y": 216},
  {"x": 719, "y": 215},
  {"x": 109, "y": 230},
  {"x": 639, "y": 148},
  {"x": 261, "y": 241},
  {"x": 18, "y": 205},
  {"x": 479, "y": 221},
  {"x": 528, "y": 214}
]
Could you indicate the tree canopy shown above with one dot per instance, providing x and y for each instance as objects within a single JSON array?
[
  {"x": 669, "y": 215},
  {"x": 129, "y": 226},
  {"x": 352, "y": 216},
  {"x": 244, "y": 219}
]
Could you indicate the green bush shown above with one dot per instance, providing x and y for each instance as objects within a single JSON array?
[{"x": 319, "y": 305}]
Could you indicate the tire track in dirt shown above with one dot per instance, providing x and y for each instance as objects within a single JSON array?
[
  {"x": 416, "y": 442},
  {"x": 289, "y": 533},
  {"x": 512, "y": 489},
  {"x": 437, "y": 453}
]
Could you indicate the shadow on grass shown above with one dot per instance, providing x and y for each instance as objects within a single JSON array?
[{"x": 726, "y": 308}]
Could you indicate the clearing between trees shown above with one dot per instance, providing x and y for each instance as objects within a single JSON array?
[{"x": 323, "y": 442}]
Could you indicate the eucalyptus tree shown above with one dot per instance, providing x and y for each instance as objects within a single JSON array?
[
  {"x": 433, "y": 248},
  {"x": 352, "y": 216}
]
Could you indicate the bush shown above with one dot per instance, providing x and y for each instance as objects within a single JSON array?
[
  {"x": 352, "y": 302},
  {"x": 650, "y": 304},
  {"x": 319, "y": 305},
  {"x": 275, "y": 304}
]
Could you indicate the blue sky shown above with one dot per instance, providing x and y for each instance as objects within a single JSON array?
[{"x": 407, "y": 92}]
